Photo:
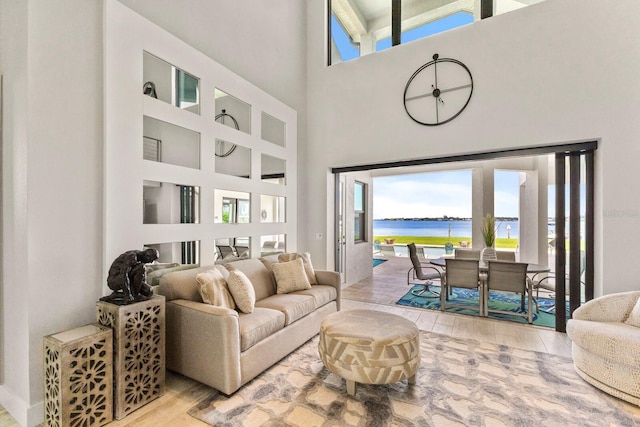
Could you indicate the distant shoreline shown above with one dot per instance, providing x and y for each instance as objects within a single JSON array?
[{"x": 442, "y": 219}]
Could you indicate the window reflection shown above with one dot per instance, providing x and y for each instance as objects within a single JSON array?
[
  {"x": 168, "y": 143},
  {"x": 170, "y": 84},
  {"x": 231, "y": 111},
  {"x": 272, "y": 208},
  {"x": 232, "y": 207},
  {"x": 177, "y": 252},
  {"x": 231, "y": 249},
  {"x": 273, "y": 169},
  {"x": 166, "y": 203},
  {"x": 272, "y": 244}
]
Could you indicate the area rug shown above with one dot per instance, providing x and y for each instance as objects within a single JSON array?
[
  {"x": 505, "y": 301},
  {"x": 378, "y": 261},
  {"x": 460, "y": 383}
]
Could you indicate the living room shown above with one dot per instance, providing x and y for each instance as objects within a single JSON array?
[{"x": 552, "y": 73}]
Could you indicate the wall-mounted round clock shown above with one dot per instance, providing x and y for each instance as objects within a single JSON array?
[
  {"x": 224, "y": 148},
  {"x": 438, "y": 91}
]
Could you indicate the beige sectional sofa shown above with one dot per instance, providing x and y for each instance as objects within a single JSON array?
[{"x": 226, "y": 348}]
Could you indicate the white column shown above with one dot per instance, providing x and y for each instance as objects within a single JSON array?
[
  {"x": 482, "y": 189},
  {"x": 367, "y": 44},
  {"x": 529, "y": 218}
]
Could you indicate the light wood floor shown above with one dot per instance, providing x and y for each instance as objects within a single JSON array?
[{"x": 378, "y": 292}]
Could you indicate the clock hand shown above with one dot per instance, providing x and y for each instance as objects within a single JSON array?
[
  {"x": 440, "y": 91},
  {"x": 454, "y": 88}
]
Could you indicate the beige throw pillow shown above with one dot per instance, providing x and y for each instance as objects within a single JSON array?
[
  {"x": 634, "y": 316},
  {"x": 242, "y": 291},
  {"x": 214, "y": 290},
  {"x": 290, "y": 276},
  {"x": 306, "y": 259}
]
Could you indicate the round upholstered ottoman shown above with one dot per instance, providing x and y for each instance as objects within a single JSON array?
[{"x": 369, "y": 347}]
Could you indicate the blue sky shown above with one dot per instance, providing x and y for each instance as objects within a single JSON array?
[
  {"x": 436, "y": 194},
  {"x": 350, "y": 51}
]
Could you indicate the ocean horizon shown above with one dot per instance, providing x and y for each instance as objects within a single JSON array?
[{"x": 442, "y": 228}]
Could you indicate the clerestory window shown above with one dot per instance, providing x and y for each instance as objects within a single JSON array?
[{"x": 361, "y": 27}]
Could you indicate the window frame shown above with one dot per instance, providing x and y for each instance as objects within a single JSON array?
[{"x": 360, "y": 215}]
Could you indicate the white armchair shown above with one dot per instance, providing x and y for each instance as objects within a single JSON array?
[{"x": 605, "y": 335}]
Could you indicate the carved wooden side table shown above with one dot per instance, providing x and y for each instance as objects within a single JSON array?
[
  {"x": 78, "y": 375},
  {"x": 138, "y": 342}
]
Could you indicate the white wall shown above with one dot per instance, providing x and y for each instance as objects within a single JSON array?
[
  {"x": 550, "y": 73},
  {"x": 52, "y": 184}
]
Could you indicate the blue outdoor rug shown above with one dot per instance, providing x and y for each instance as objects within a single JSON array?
[
  {"x": 378, "y": 261},
  {"x": 497, "y": 300}
]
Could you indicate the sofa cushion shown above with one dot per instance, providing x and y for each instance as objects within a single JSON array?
[
  {"x": 242, "y": 291},
  {"x": 293, "y": 306},
  {"x": 258, "y": 325},
  {"x": 214, "y": 289},
  {"x": 290, "y": 276},
  {"x": 322, "y": 294},
  {"x": 182, "y": 284},
  {"x": 634, "y": 315},
  {"x": 306, "y": 259},
  {"x": 259, "y": 275},
  {"x": 159, "y": 266},
  {"x": 157, "y": 271}
]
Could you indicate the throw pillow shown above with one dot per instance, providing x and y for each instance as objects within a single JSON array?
[
  {"x": 634, "y": 316},
  {"x": 242, "y": 291},
  {"x": 306, "y": 259},
  {"x": 290, "y": 276},
  {"x": 214, "y": 290}
]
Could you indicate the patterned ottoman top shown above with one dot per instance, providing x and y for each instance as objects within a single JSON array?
[{"x": 368, "y": 327}]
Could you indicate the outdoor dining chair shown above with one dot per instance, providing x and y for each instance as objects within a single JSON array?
[
  {"x": 467, "y": 253},
  {"x": 424, "y": 272},
  {"x": 225, "y": 251},
  {"x": 506, "y": 256},
  {"x": 509, "y": 277},
  {"x": 461, "y": 273},
  {"x": 547, "y": 281}
]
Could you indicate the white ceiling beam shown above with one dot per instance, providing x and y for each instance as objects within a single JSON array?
[
  {"x": 351, "y": 18},
  {"x": 420, "y": 13}
]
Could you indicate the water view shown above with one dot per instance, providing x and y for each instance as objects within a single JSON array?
[{"x": 438, "y": 228}]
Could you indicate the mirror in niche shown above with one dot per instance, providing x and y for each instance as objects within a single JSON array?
[
  {"x": 272, "y": 208},
  {"x": 273, "y": 169},
  {"x": 167, "y": 143},
  {"x": 273, "y": 244},
  {"x": 273, "y": 130},
  {"x": 237, "y": 164},
  {"x": 167, "y": 203},
  {"x": 177, "y": 252},
  {"x": 231, "y": 249},
  {"x": 170, "y": 84},
  {"x": 232, "y": 112},
  {"x": 231, "y": 207}
]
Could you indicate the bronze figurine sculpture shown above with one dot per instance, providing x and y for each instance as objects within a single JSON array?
[{"x": 127, "y": 278}]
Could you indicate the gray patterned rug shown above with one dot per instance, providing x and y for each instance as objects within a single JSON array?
[{"x": 460, "y": 383}]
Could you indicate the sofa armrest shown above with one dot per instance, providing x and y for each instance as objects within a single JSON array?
[
  {"x": 203, "y": 342},
  {"x": 330, "y": 278},
  {"x": 608, "y": 308}
]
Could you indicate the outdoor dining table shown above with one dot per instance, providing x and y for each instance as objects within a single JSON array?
[{"x": 484, "y": 265}]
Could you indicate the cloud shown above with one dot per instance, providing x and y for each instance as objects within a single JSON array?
[{"x": 417, "y": 196}]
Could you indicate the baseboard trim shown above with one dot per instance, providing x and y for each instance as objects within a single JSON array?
[{"x": 25, "y": 415}]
